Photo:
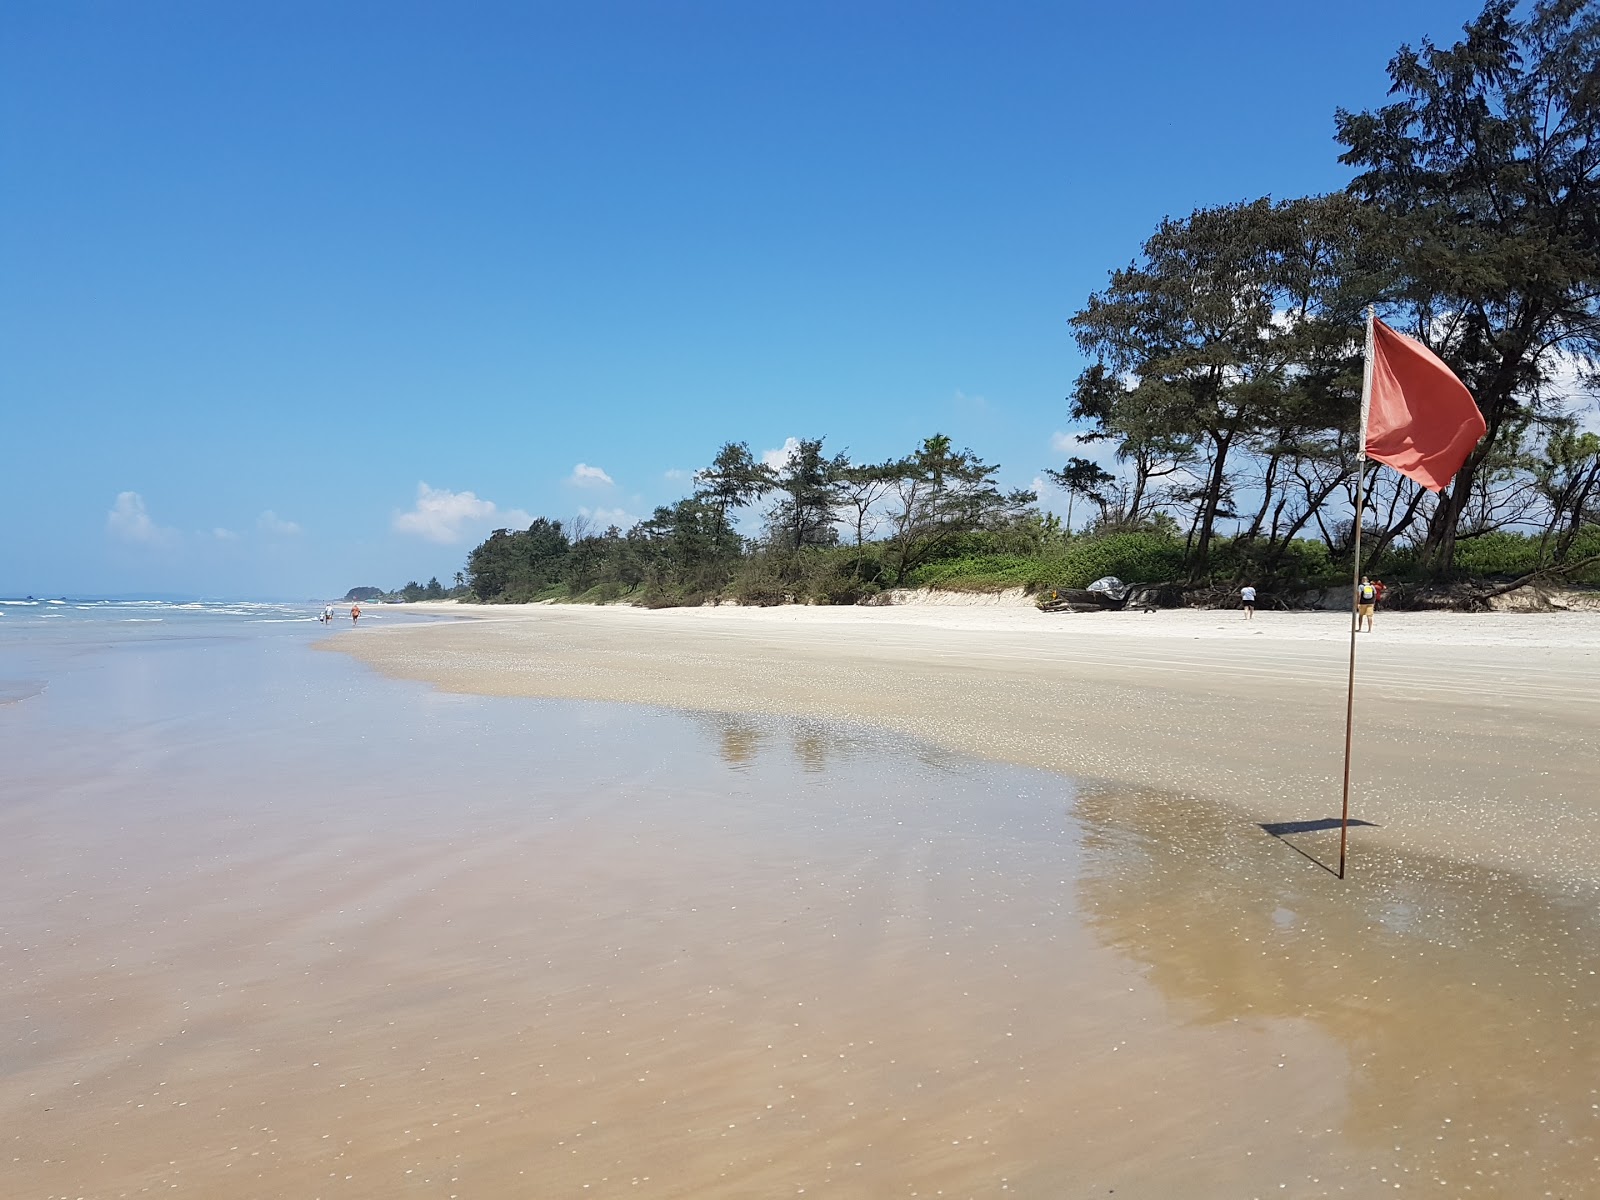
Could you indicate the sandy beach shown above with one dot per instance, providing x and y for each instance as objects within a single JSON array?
[
  {"x": 1476, "y": 734},
  {"x": 275, "y": 925}
]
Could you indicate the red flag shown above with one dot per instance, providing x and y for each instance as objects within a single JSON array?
[{"x": 1422, "y": 421}]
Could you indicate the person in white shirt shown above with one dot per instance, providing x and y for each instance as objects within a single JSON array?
[{"x": 1248, "y": 594}]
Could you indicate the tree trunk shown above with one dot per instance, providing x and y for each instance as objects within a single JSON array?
[
  {"x": 1439, "y": 547},
  {"x": 1141, "y": 477},
  {"x": 1269, "y": 481},
  {"x": 1494, "y": 400},
  {"x": 1208, "y": 507},
  {"x": 1578, "y": 502},
  {"x": 1397, "y": 527}
]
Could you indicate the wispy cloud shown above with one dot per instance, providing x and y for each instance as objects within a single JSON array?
[
  {"x": 779, "y": 458},
  {"x": 1063, "y": 443},
  {"x": 443, "y": 516},
  {"x": 130, "y": 521},
  {"x": 271, "y": 524},
  {"x": 585, "y": 476},
  {"x": 676, "y": 474},
  {"x": 224, "y": 535}
]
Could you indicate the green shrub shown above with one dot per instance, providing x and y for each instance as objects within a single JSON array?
[
  {"x": 1586, "y": 545},
  {"x": 760, "y": 582},
  {"x": 1303, "y": 562},
  {"x": 1131, "y": 557},
  {"x": 1504, "y": 554},
  {"x": 601, "y": 593},
  {"x": 978, "y": 573},
  {"x": 1499, "y": 553}
]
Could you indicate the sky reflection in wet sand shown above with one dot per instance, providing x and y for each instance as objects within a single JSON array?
[
  {"x": 272, "y": 926},
  {"x": 1465, "y": 1001}
]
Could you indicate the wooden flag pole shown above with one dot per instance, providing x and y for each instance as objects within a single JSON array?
[{"x": 1355, "y": 589}]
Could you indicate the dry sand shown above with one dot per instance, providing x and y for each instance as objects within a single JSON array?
[{"x": 1476, "y": 735}]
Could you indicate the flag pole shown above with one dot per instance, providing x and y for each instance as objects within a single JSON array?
[{"x": 1355, "y": 588}]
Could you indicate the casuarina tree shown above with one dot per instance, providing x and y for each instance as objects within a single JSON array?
[{"x": 1485, "y": 173}]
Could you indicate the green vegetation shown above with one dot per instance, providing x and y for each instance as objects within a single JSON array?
[
  {"x": 928, "y": 506},
  {"x": 1224, "y": 379},
  {"x": 663, "y": 562},
  {"x": 1226, "y": 360},
  {"x": 411, "y": 592},
  {"x": 1067, "y": 562}
]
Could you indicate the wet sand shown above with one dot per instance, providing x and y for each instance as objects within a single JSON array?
[
  {"x": 274, "y": 926},
  {"x": 1477, "y": 735}
]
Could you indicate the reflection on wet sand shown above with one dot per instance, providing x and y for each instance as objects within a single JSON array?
[
  {"x": 740, "y": 739},
  {"x": 1466, "y": 1001},
  {"x": 586, "y": 956}
]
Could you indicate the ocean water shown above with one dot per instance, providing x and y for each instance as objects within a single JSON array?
[{"x": 271, "y": 925}]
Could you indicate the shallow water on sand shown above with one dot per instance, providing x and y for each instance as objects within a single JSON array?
[{"x": 273, "y": 926}]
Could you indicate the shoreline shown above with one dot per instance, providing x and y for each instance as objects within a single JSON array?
[{"x": 1474, "y": 731}]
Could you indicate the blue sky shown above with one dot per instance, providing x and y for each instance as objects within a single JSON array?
[{"x": 280, "y": 283}]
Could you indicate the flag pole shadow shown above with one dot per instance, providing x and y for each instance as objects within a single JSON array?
[{"x": 1283, "y": 829}]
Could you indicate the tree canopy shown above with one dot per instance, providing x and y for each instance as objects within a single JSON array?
[
  {"x": 1482, "y": 181},
  {"x": 1225, "y": 360}
]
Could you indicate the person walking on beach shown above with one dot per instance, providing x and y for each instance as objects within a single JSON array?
[
  {"x": 327, "y": 615},
  {"x": 355, "y": 613},
  {"x": 1366, "y": 601},
  {"x": 1248, "y": 594}
]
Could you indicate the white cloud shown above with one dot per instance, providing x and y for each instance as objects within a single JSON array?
[
  {"x": 1102, "y": 452},
  {"x": 1078, "y": 511},
  {"x": 443, "y": 516},
  {"x": 1051, "y": 498},
  {"x": 1575, "y": 395},
  {"x": 676, "y": 474},
  {"x": 224, "y": 535},
  {"x": 778, "y": 459},
  {"x": 129, "y": 521},
  {"x": 585, "y": 476},
  {"x": 604, "y": 517},
  {"x": 271, "y": 524}
]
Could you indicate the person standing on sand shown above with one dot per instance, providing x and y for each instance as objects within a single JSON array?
[
  {"x": 1248, "y": 594},
  {"x": 327, "y": 615},
  {"x": 1366, "y": 601},
  {"x": 355, "y": 613}
]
